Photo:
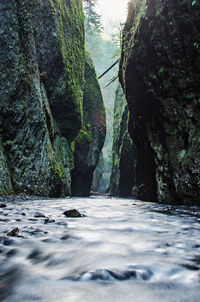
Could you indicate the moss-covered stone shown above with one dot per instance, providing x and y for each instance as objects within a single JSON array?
[
  {"x": 160, "y": 74},
  {"x": 60, "y": 51},
  {"x": 89, "y": 142},
  {"x": 42, "y": 63}
]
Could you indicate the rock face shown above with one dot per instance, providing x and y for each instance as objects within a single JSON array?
[
  {"x": 160, "y": 74},
  {"x": 88, "y": 144},
  {"x": 41, "y": 109},
  {"x": 98, "y": 173},
  {"x": 5, "y": 180},
  {"x": 121, "y": 179}
]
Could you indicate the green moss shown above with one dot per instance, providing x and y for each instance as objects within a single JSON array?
[
  {"x": 53, "y": 9},
  {"x": 71, "y": 48},
  {"x": 84, "y": 137},
  {"x": 58, "y": 169},
  {"x": 72, "y": 146}
]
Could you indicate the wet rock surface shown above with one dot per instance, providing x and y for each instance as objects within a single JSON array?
[
  {"x": 13, "y": 233},
  {"x": 34, "y": 149},
  {"x": 47, "y": 115},
  {"x": 72, "y": 213},
  {"x": 122, "y": 173},
  {"x": 118, "y": 249},
  {"x": 2, "y": 205},
  {"x": 160, "y": 74}
]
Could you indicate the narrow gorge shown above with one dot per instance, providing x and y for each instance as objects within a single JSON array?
[{"x": 99, "y": 151}]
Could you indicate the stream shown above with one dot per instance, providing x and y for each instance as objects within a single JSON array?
[{"x": 120, "y": 250}]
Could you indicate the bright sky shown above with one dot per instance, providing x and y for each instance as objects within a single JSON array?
[{"x": 113, "y": 12}]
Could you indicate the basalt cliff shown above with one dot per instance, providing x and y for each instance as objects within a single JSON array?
[
  {"x": 160, "y": 75},
  {"x": 43, "y": 97}
]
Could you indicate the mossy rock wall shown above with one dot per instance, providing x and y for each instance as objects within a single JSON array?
[
  {"x": 121, "y": 179},
  {"x": 98, "y": 173},
  {"x": 59, "y": 40},
  {"x": 87, "y": 146},
  {"x": 41, "y": 73},
  {"x": 5, "y": 181},
  {"x": 160, "y": 74}
]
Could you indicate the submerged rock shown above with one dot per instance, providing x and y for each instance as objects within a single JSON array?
[
  {"x": 48, "y": 220},
  {"x": 160, "y": 74},
  {"x": 38, "y": 215}
]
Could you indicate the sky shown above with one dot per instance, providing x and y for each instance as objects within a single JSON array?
[{"x": 113, "y": 12}]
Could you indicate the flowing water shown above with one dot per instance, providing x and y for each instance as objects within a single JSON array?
[{"x": 121, "y": 250}]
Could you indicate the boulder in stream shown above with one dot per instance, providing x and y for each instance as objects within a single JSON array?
[{"x": 72, "y": 213}]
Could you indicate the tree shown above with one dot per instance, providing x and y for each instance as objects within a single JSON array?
[{"x": 92, "y": 18}]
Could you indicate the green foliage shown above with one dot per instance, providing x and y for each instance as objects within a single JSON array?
[
  {"x": 92, "y": 18},
  {"x": 190, "y": 96}
]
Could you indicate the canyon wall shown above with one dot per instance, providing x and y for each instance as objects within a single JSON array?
[
  {"x": 121, "y": 180},
  {"x": 42, "y": 62},
  {"x": 160, "y": 75}
]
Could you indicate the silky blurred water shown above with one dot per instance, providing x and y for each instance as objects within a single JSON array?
[{"x": 120, "y": 250}]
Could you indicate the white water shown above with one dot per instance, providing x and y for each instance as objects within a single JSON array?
[{"x": 122, "y": 250}]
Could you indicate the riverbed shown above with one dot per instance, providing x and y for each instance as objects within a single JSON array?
[{"x": 120, "y": 250}]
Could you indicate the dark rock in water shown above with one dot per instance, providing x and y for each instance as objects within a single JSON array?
[
  {"x": 38, "y": 214},
  {"x": 65, "y": 237},
  {"x": 160, "y": 75},
  {"x": 2, "y": 205},
  {"x": 7, "y": 241},
  {"x": 72, "y": 213},
  {"x": 48, "y": 220},
  {"x": 11, "y": 253},
  {"x": 14, "y": 232}
]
